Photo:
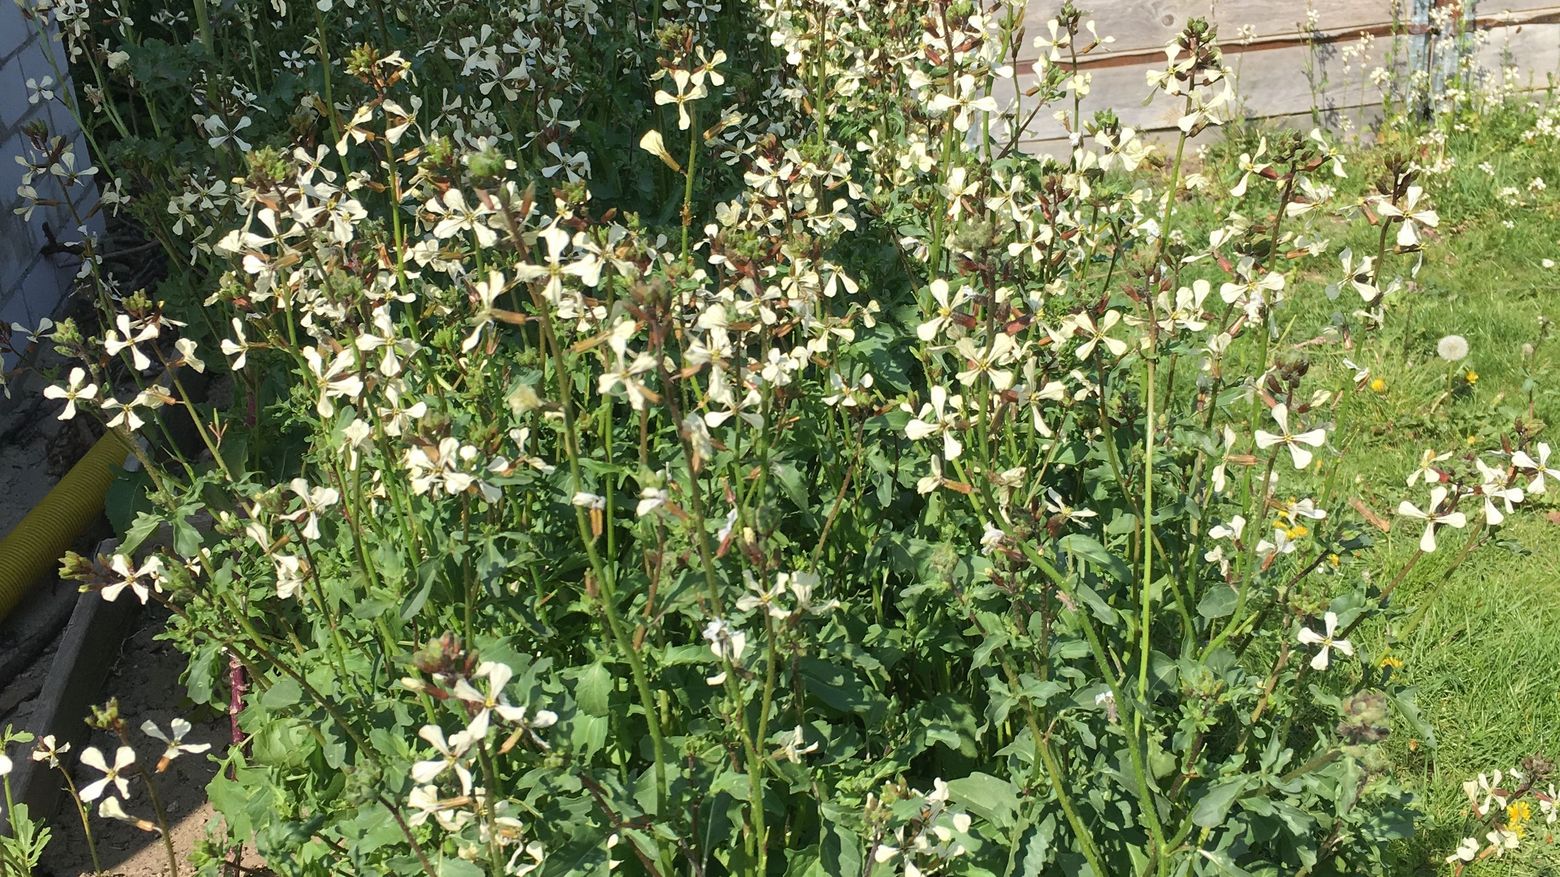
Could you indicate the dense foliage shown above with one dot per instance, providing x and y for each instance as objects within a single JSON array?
[{"x": 694, "y": 439}]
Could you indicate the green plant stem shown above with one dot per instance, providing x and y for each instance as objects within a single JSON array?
[
  {"x": 200, "y": 427},
  {"x": 700, "y": 534},
  {"x": 162, "y": 821},
  {"x": 81, "y": 811},
  {"x": 313, "y": 578},
  {"x": 1247, "y": 577},
  {"x": 603, "y": 574},
  {"x": 467, "y": 579},
  {"x": 755, "y": 770},
  {"x": 490, "y": 776},
  {"x": 325, "y": 72},
  {"x": 1135, "y": 742},
  {"x": 203, "y": 24},
  {"x": 693, "y": 161},
  {"x": 1057, "y": 778},
  {"x": 1147, "y": 598},
  {"x": 1381, "y": 256}
]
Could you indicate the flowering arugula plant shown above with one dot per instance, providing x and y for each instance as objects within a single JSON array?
[
  {"x": 1509, "y": 808},
  {"x": 698, "y": 440}
]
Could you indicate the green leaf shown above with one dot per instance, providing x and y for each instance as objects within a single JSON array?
[
  {"x": 186, "y": 539},
  {"x": 804, "y": 863},
  {"x": 1215, "y": 803},
  {"x": 145, "y": 525},
  {"x": 841, "y": 689},
  {"x": 840, "y": 853},
  {"x": 790, "y": 480},
  {"x": 584, "y": 856},
  {"x": 282, "y": 694},
  {"x": 125, "y": 502},
  {"x": 200, "y": 679},
  {"x": 1088, "y": 548},
  {"x": 1218, "y": 602},
  {"x": 588, "y": 734},
  {"x": 333, "y": 746},
  {"x": 1222, "y": 864},
  {"x": 1408, "y": 709},
  {"x": 1101, "y": 609},
  {"x": 593, "y": 689},
  {"x": 449, "y": 867},
  {"x": 415, "y": 602},
  {"x": 991, "y": 798},
  {"x": 731, "y": 783},
  {"x": 1036, "y": 845},
  {"x": 374, "y": 828}
]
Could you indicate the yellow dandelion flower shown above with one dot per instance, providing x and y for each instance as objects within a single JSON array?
[
  {"x": 1390, "y": 660},
  {"x": 1518, "y": 813},
  {"x": 1377, "y": 385},
  {"x": 1472, "y": 377},
  {"x": 1334, "y": 561}
]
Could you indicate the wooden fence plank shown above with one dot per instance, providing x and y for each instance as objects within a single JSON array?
[
  {"x": 1284, "y": 97},
  {"x": 1273, "y": 82},
  {"x": 1142, "y": 25},
  {"x": 1533, "y": 48},
  {"x": 1360, "y": 117},
  {"x": 1497, "y": 8},
  {"x": 1279, "y": 75}
]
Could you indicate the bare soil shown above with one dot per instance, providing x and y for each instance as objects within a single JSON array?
[{"x": 147, "y": 683}]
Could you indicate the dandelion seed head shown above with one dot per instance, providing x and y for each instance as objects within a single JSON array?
[{"x": 1452, "y": 348}]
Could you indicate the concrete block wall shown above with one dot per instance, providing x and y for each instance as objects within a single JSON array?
[{"x": 33, "y": 285}]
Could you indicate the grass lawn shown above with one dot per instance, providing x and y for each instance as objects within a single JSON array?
[{"x": 1481, "y": 643}]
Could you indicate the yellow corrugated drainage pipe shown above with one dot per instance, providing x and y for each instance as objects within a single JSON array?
[{"x": 34, "y": 546}]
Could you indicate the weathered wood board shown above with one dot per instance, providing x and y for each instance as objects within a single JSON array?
[
  {"x": 1139, "y": 26},
  {"x": 1533, "y": 49},
  {"x": 1274, "y": 82},
  {"x": 1283, "y": 69}
]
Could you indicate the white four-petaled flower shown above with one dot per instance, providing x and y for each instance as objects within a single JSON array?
[
  {"x": 313, "y": 500},
  {"x": 113, "y": 774},
  {"x": 938, "y": 417},
  {"x": 1466, "y": 851},
  {"x": 1433, "y": 517},
  {"x": 1539, "y": 467},
  {"x": 1496, "y": 485},
  {"x": 140, "y": 580},
  {"x": 1327, "y": 639},
  {"x": 1410, "y": 214},
  {"x": 173, "y": 741},
  {"x": 76, "y": 387},
  {"x": 689, "y": 89},
  {"x": 1097, "y": 335},
  {"x": 452, "y": 753},
  {"x": 1296, "y": 442}
]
